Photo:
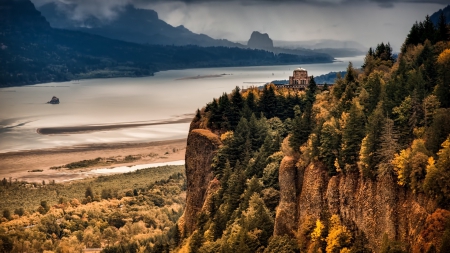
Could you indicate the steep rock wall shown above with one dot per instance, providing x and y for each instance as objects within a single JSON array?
[
  {"x": 286, "y": 210},
  {"x": 201, "y": 147},
  {"x": 370, "y": 207},
  {"x": 374, "y": 208}
]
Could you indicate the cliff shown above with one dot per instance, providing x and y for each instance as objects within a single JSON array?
[
  {"x": 201, "y": 147},
  {"x": 371, "y": 208},
  {"x": 374, "y": 208}
]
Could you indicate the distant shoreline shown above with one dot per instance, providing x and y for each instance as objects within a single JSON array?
[
  {"x": 93, "y": 128},
  {"x": 199, "y": 77}
]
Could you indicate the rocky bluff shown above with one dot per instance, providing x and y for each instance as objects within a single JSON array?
[
  {"x": 260, "y": 41},
  {"x": 374, "y": 208}
]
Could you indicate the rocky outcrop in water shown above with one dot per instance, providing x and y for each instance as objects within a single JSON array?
[{"x": 53, "y": 101}]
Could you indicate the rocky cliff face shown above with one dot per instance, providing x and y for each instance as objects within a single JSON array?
[
  {"x": 201, "y": 147},
  {"x": 373, "y": 208}
]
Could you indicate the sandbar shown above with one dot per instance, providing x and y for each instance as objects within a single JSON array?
[
  {"x": 106, "y": 127},
  {"x": 200, "y": 77},
  {"x": 19, "y": 165}
]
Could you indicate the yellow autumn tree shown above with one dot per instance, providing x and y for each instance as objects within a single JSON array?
[
  {"x": 410, "y": 165},
  {"x": 339, "y": 237},
  {"x": 437, "y": 181},
  {"x": 442, "y": 90},
  {"x": 444, "y": 57}
]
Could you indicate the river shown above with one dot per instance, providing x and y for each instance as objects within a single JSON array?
[{"x": 168, "y": 95}]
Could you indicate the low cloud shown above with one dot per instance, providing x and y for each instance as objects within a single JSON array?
[{"x": 358, "y": 20}]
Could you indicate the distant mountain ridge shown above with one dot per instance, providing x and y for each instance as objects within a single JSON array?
[
  {"x": 435, "y": 17},
  {"x": 131, "y": 24},
  {"x": 263, "y": 41},
  {"x": 33, "y": 52}
]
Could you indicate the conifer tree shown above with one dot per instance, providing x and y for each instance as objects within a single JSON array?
[
  {"x": 329, "y": 144},
  {"x": 443, "y": 31},
  {"x": 352, "y": 134},
  {"x": 372, "y": 143},
  {"x": 268, "y": 101},
  {"x": 237, "y": 104},
  {"x": 224, "y": 112},
  {"x": 442, "y": 90},
  {"x": 388, "y": 147}
]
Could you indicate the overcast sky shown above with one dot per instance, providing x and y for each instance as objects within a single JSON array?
[{"x": 366, "y": 21}]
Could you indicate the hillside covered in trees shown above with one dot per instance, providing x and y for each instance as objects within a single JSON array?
[
  {"x": 359, "y": 168},
  {"x": 33, "y": 52}
]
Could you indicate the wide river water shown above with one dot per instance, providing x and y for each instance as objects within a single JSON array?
[{"x": 166, "y": 96}]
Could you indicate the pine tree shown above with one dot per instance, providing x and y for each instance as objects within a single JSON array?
[
  {"x": 443, "y": 32},
  {"x": 388, "y": 147},
  {"x": 329, "y": 144},
  {"x": 268, "y": 101},
  {"x": 301, "y": 129},
  {"x": 251, "y": 102},
  {"x": 224, "y": 112},
  {"x": 442, "y": 90},
  {"x": 372, "y": 143},
  {"x": 214, "y": 115},
  {"x": 352, "y": 134},
  {"x": 428, "y": 32},
  {"x": 237, "y": 104},
  {"x": 413, "y": 37}
]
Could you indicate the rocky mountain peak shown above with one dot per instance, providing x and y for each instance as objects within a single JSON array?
[{"x": 260, "y": 41}]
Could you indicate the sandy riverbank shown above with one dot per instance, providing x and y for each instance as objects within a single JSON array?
[
  {"x": 18, "y": 165},
  {"x": 92, "y": 128}
]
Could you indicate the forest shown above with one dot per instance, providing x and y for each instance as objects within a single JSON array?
[
  {"x": 389, "y": 119},
  {"x": 131, "y": 212}
]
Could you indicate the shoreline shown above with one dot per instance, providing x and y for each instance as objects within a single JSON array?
[
  {"x": 79, "y": 78},
  {"x": 34, "y": 165},
  {"x": 106, "y": 127}
]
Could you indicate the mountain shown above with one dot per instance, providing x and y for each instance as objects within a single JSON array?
[
  {"x": 335, "y": 48},
  {"x": 260, "y": 41},
  {"x": 324, "y": 43},
  {"x": 34, "y": 52},
  {"x": 133, "y": 25},
  {"x": 435, "y": 17}
]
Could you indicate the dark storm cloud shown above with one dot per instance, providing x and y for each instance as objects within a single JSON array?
[{"x": 294, "y": 20}]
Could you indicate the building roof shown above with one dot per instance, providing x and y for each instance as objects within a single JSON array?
[{"x": 300, "y": 69}]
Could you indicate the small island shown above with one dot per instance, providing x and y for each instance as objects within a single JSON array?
[{"x": 54, "y": 101}]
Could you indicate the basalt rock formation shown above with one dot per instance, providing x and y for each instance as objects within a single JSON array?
[
  {"x": 260, "y": 41},
  {"x": 372, "y": 208},
  {"x": 201, "y": 147}
]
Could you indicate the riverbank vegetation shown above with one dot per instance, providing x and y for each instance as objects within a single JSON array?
[{"x": 138, "y": 209}]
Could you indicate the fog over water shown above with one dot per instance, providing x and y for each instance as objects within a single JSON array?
[{"x": 127, "y": 100}]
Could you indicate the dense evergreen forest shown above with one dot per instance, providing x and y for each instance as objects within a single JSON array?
[{"x": 390, "y": 119}]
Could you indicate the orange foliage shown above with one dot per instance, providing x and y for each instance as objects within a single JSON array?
[
  {"x": 433, "y": 231},
  {"x": 444, "y": 58}
]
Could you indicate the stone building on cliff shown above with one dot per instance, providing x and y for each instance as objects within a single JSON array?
[{"x": 299, "y": 79}]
